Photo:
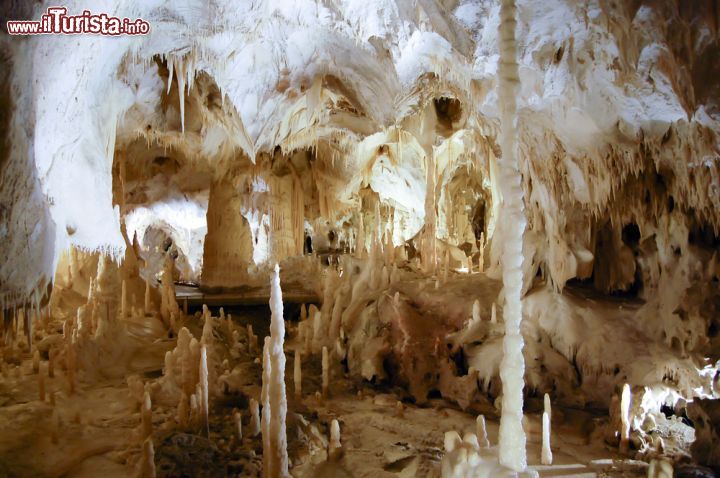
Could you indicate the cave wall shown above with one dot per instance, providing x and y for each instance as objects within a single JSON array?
[{"x": 609, "y": 92}]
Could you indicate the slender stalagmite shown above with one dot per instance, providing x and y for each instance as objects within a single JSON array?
[
  {"x": 546, "y": 406},
  {"x": 51, "y": 363},
  {"x": 297, "y": 375},
  {"x": 204, "y": 406},
  {"x": 238, "y": 423},
  {"x": 481, "y": 432},
  {"x": 275, "y": 458},
  {"x": 429, "y": 252},
  {"x": 476, "y": 311},
  {"x": 266, "y": 411},
  {"x": 147, "y": 297},
  {"x": 36, "y": 361},
  {"x": 146, "y": 416},
  {"x": 254, "y": 417},
  {"x": 546, "y": 454},
  {"x": 512, "y": 440},
  {"x": 41, "y": 386},
  {"x": 148, "y": 459},
  {"x": 334, "y": 445},
  {"x": 123, "y": 300},
  {"x": 183, "y": 411},
  {"x": 325, "y": 371},
  {"x": 625, "y": 417}
]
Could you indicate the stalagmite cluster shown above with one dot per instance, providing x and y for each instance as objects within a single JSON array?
[{"x": 477, "y": 209}]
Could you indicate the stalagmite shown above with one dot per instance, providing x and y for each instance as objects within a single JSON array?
[
  {"x": 183, "y": 411},
  {"x": 429, "y": 249},
  {"x": 476, "y": 311},
  {"x": 481, "y": 432},
  {"x": 123, "y": 301},
  {"x": 237, "y": 416},
  {"x": 275, "y": 458},
  {"x": 51, "y": 363},
  {"x": 265, "y": 400},
  {"x": 55, "y": 424},
  {"x": 146, "y": 416},
  {"x": 147, "y": 297},
  {"x": 546, "y": 453},
  {"x": 546, "y": 406},
  {"x": 252, "y": 339},
  {"x": 325, "y": 372},
  {"x": 660, "y": 468},
  {"x": 148, "y": 459},
  {"x": 193, "y": 415},
  {"x": 512, "y": 367},
  {"x": 254, "y": 417},
  {"x": 41, "y": 386},
  {"x": 378, "y": 156},
  {"x": 625, "y": 417},
  {"x": 297, "y": 374},
  {"x": 204, "y": 405},
  {"x": 334, "y": 445},
  {"x": 317, "y": 332},
  {"x": 360, "y": 238},
  {"x": 71, "y": 365}
]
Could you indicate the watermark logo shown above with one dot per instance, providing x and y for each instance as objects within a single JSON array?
[{"x": 56, "y": 21}]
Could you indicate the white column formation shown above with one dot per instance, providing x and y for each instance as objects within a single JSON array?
[
  {"x": 275, "y": 458},
  {"x": 512, "y": 368}
]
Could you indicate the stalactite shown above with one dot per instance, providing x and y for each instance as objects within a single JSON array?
[{"x": 512, "y": 368}]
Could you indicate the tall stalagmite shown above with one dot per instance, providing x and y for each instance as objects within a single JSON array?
[
  {"x": 275, "y": 457},
  {"x": 512, "y": 367}
]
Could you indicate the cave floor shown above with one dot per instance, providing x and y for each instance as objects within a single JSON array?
[{"x": 96, "y": 429}]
